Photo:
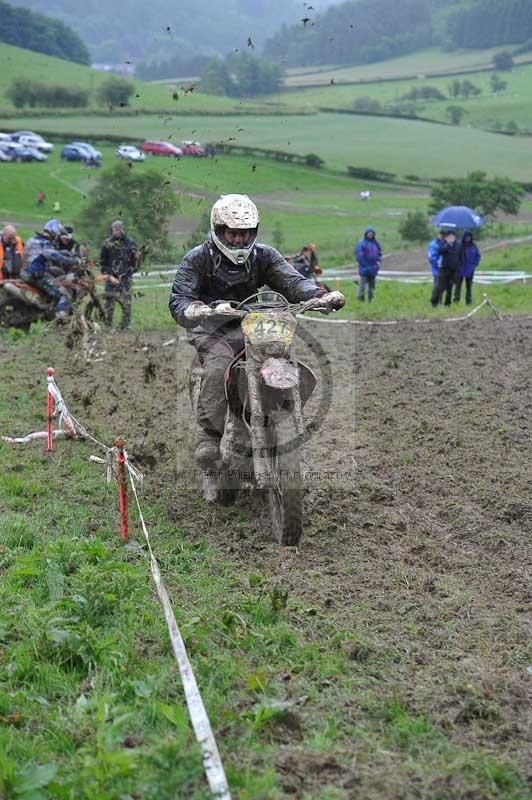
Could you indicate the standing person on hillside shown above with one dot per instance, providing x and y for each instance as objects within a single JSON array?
[
  {"x": 119, "y": 259},
  {"x": 470, "y": 261},
  {"x": 451, "y": 262},
  {"x": 434, "y": 255},
  {"x": 41, "y": 197},
  {"x": 368, "y": 254},
  {"x": 11, "y": 250}
]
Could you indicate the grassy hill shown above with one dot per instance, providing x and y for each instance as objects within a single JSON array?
[
  {"x": 18, "y": 63},
  {"x": 423, "y": 63}
]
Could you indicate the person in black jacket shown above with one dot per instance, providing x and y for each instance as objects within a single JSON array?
[
  {"x": 119, "y": 259},
  {"x": 230, "y": 265},
  {"x": 451, "y": 261}
]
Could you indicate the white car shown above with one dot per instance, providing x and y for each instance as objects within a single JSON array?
[
  {"x": 129, "y": 153},
  {"x": 35, "y": 141}
]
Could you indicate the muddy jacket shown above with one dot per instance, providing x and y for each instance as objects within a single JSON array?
[
  {"x": 11, "y": 258},
  {"x": 205, "y": 275},
  {"x": 40, "y": 257},
  {"x": 119, "y": 257}
]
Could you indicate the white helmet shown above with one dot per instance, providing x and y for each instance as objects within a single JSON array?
[{"x": 238, "y": 212}]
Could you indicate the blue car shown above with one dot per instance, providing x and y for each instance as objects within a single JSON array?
[
  {"x": 74, "y": 152},
  {"x": 93, "y": 153}
]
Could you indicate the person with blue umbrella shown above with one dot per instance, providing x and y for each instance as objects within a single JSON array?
[
  {"x": 470, "y": 261},
  {"x": 451, "y": 262}
]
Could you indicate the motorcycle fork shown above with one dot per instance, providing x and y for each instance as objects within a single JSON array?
[{"x": 259, "y": 442}]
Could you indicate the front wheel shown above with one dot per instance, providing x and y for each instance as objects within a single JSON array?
[{"x": 285, "y": 498}]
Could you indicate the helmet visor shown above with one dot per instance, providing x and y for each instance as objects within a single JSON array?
[{"x": 236, "y": 237}]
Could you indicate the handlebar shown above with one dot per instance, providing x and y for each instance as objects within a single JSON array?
[{"x": 199, "y": 311}]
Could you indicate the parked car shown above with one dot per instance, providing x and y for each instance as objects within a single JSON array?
[
  {"x": 4, "y": 156},
  {"x": 16, "y": 134},
  {"x": 5, "y": 137},
  {"x": 157, "y": 148},
  {"x": 193, "y": 149},
  {"x": 93, "y": 153},
  {"x": 73, "y": 152},
  {"x": 16, "y": 152},
  {"x": 37, "y": 142},
  {"x": 129, "y": 153},
  {"x": 36, "y": 155}
]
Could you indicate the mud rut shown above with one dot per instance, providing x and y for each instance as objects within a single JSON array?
[{"x": 420, "y": 537}]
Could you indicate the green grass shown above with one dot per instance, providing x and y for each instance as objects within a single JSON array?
[
  {"x": 488, "y": 110},
  {"x": 399, "y": 146},
  {"x": 422, "y": 62},
  {"x": 91, "y": 705},
  {"x": 18, "y": 63}
]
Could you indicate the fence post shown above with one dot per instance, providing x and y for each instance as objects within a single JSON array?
[
  {"x": 122, "y": 490},
  {"x": 49, "y": 411}
]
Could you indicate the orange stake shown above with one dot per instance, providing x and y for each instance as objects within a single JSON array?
[{"x": 122, "y": 490}]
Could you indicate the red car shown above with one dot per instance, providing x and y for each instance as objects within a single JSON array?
[
  {"x": 162, "y": 149},
  {"x": 193, "y": 149}
]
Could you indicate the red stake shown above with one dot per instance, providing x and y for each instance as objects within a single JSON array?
[
  {"x": 50, "y": 411},
  {"x": 122, "y": 490}
]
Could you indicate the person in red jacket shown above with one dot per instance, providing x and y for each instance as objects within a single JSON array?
[{"x": 11, "y": 249}]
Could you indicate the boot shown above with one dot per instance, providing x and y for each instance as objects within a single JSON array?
[{"x": 207, "y": 450}]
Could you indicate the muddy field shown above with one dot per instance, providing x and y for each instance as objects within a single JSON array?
[{"x": 418, "y": 513}]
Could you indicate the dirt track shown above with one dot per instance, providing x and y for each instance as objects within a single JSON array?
[{"x": 421, "y": 534}]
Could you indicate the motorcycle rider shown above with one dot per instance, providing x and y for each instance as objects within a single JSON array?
[
  {"x": 11, "y": 249},
  {"x": 43, "y": 262},
  {"x": 230, "y": 265}
]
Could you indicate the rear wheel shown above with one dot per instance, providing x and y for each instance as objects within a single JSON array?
[
  {"x": 285, "y": 499},
  {"x": 14, "y": 314}
]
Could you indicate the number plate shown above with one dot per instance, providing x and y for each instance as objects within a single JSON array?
[{"x": 260, "y": 327}]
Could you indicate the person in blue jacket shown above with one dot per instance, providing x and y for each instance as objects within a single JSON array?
[
  {"x": 434, "y": 255},
  {"x": 368, "y": 254},
  {"x": 470, "y": 261}
]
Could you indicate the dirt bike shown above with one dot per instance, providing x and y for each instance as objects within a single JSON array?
[
  {"x": 266, "y": 389},
  {"x": 21, "y": 303}
]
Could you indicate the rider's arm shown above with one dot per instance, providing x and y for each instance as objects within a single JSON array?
[
  {"x": 282, "y": 277},
  {"x": 186, "y": 286}
]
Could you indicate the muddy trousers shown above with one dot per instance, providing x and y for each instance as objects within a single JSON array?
[
  {"x": 215, "y": 352},
  {"x": 468, "y": 290},
  {"x": 50, "y": 286},
  {"x": 369, "y": 281},
  {"x": 121, "y": 294},
  {"x": 444, "y": 286}
]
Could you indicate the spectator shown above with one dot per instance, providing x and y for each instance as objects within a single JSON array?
[
  {"x": 434, "y": 256},
  {"x": 368, "y": 254},
  {"x": 11, "y": 250},
  {"x": 41, "y": 197},
  {"x": 470, "y": 261},
  {"x": 451, "y": 261},
  {"x": 56, "y": 207},
  {"x": 119, "y": 259}
]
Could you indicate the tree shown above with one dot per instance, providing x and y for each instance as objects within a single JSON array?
[
  {"x": 503, "y": 61},
  {"x": 216, "y": 79},
  {"x": 143, "y": 200},
  {"x": 33, "y": 31},
  {"x": 414, "y": 227},
  {"x": 497, "y": 84},
  {"x": 455, "y": 114},
  {"x": 115, "y": 91},
  {"x": 477, "y": 191}
]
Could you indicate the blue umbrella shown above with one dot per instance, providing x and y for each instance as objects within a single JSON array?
[{"x": 458, "y": 217}]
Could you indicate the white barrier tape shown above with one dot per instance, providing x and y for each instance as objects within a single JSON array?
[
  {"x": 485, "y": 302},
  {"x": 31, "y": 437},
  {"x": 200, "y": 721},
  {"x": 61, "y": 409}
]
